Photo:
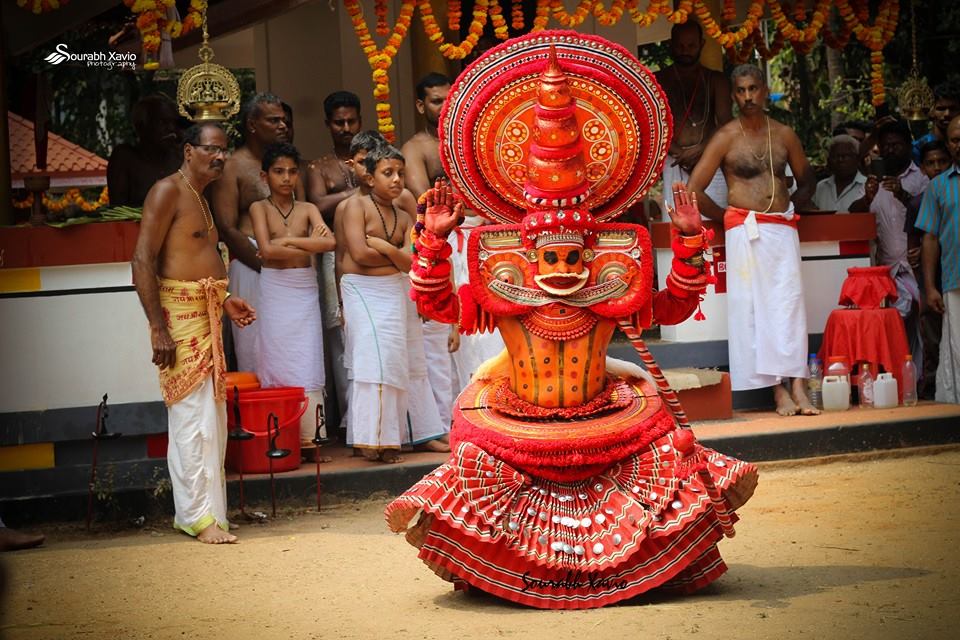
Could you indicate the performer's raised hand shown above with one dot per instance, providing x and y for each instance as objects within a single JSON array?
[
  {"x": 239, "y": 311},
  {"x": 684, "y": 214},
  {"x": 444, "y": 210}
]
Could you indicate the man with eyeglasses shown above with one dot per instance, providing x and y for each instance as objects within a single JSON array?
[
  {"x": 262, "y": 123},
  {"x": 182, "y": 285}
]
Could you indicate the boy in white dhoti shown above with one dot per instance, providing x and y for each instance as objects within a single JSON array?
[
  {"x": 181, "y": 281},
  {"x": 390, "y": 398},
  {"x": 290, "y": 339},
  {"x": 768, "y": 329}
]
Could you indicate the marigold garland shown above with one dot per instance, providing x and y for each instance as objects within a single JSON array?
[
  {"x": 570, "y": 20},
  {"x": 497, "y": 20},
  {"x": 152, "y": 19},
  {"x": 41, "y": 6},
  {"x": 71, "y": 196},
  {"x": 516, "y": 15},
  {"x": 452, "y": 51},
  {"x": 454, "y": 12},
  {"x": 380, "y": 10}
]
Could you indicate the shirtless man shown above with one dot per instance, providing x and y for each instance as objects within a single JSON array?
[
  {"x": 422, "y": 151},
  {"x": 181, "y": 281},
  {"x": 289, "y": 233},
  {"x": 384, "y": 335},
  {"x": 133, "y": 169},
  {"x": 263, "y": 122},
  {"x": 329, "y": 179},
  {"x": 768, "y": 329},
  {"x": 700, "y": 101}
]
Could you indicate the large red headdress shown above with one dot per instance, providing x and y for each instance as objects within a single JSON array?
[{"x": 554, "y": 131}]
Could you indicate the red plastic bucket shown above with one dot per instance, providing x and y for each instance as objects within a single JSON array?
[{"x": 288, "y": 404}]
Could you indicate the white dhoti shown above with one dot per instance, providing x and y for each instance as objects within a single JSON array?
[
  {"x": 717, "y": 189},
  {"x": 477, "y": 348},
  {"x": 245, "y": 283},
  {"x": 197, "y": 426},
  {"x": 384, "y": 340},
  {"x": 948, "y": 371},
  {"x": 290, "y": 338},
  {"x": 767, "y": 319},
  {"x": 436, "y": 336}
]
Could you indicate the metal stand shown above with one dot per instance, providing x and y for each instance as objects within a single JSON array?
[
  {"x": 318, "y": 441},
  {"x": 274, "y": 453},
  {"x": 239, "y": 435},
  {"x": 99, "y": 433}
]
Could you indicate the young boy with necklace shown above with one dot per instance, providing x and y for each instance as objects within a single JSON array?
[
  {"x": 289, "y": 233},
  {"x": 390, "y": 399}
]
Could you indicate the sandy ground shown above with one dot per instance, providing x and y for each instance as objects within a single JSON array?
[{"x": 847, "y": 549}]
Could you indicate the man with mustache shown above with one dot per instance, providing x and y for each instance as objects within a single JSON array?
[
  {"x": 181, "y": 281},
  {"x": 700, "y": 101},
  {"x": 767, "y": 320},
  {"x": 262, "y": 123},
  {"x": 133, "y": 169},
  {"x": 329, "y": 181}
]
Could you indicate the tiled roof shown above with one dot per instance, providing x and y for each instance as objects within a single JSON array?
[{"x": 64, "y": 159}]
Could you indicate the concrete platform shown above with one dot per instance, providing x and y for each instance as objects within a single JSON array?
[{"x": 751, "y": 435}]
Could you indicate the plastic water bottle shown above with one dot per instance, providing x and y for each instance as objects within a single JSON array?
[
  {"x": 815, "y": 381},
  {"x": 909, "y": 380},
  {"x": 865, "y": 387}
]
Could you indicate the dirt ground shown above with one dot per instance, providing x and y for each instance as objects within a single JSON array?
[{"x": 864, "y": 548}]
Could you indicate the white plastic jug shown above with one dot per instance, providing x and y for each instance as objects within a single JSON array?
[
  {"x": 885, "y": 391},
  {"x": 836, "y": 393}
]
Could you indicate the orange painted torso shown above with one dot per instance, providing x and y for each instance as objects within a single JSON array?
[{"x": 556, "y": 373}]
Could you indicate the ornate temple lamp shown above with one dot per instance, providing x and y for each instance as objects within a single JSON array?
[
  {"x": 208, "y": 91},
  {"x": 915, "y": 96}
]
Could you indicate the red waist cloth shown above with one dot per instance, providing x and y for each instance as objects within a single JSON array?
[
  {"x": 867, "y": 288},
  {"x": 874, "y": 336},
  {"x": 734, "y": 217}
]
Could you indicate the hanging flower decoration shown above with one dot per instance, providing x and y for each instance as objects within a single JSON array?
[
  {"x": 497, "y": 20},
  {"x": 380, "y": 60},
  {"x": 152, "y": 19},
  {"x": 655, "y": 9},
  {"x": 516, "y": 15},
  {"x": 729, "y": 12},
  {"x": 41, "y": 6},
  {"x": 874, "y": 37},
  {"x": 380, "y": 10},
  {"x": 574, "y": 19},
  {"x": 454, "y": 12},
  {"x": 541, "y": 16},
  {"x": 70, "y": 197},
  {"x": 682, "y": 13},
  {"x": 452, "y": 51},
  {"x": 611, "y": 17}
]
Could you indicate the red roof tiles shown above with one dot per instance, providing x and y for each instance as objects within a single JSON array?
[{"x": 64, "y": 159}]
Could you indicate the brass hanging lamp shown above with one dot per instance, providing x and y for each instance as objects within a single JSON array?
[
  {"x": 915, "y": 97},
  {"x": 207, "y": 92}
]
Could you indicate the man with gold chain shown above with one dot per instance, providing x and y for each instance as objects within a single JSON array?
[
  {"x": 182, "y": 284},
  {"x": 768, "y": 327}
]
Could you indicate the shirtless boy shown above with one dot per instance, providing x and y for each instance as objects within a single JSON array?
[{"x": 383, "y": 330}]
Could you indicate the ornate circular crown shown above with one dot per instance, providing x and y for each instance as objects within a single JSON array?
[{"x": 493, "y": 124}]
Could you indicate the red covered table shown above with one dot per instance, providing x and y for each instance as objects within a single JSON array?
[{"x": 874, "y": 336}]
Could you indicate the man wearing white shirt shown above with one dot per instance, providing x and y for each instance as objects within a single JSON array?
[{"x": 843, "y": 190}]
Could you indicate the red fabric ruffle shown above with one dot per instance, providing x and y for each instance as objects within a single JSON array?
[{"x": 868, "y": 288}]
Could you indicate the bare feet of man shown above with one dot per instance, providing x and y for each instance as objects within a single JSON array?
[
  {"x": 13, "y": 540},
  {"x": 785, "y": 404},
  {"x": 438, "y": 446},
  {"x": 799, "y": 393},
  {"x": 215, "y": 535}
]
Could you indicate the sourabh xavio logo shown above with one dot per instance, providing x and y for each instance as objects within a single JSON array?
[{"x": 108, "y": 59}]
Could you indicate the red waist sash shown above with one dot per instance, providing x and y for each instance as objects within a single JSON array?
[{"x": 734, "y": 217}]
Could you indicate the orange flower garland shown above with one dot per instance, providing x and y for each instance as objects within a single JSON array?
[
  {"x": 611, "y": 17},
  {"x": 497, "y": 20},
  {"x": 874, "y": 38},
  {"x": 516, "y": 15},
  {"x": 682, "y": 13},
  {"x": 729, "y": 13},
  {"x": 71, "y": 196},
  {"x": 730, "y": 38},
  {"x": 655, "y": 9},
  {"x": 452, "y": 51},
  {"x": 380, "y": 10},
  {"x": 542, "y": 16},
  {"x": 41, "y": 6},
  {"x": 152, "y": 18},
  {"x": 454, "y": 11},
  {"x": 574, "y": 19},
  {"x": 380, "y": 60}
]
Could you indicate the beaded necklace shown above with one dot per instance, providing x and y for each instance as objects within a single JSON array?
[{"x": 389, "y": 236}]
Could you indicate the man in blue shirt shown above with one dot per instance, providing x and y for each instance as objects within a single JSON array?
[
  {"x": 940, "y": 218},
  {"x": 946, "y": 107}
]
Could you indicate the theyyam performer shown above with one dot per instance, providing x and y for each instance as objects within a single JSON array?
[{"x": 574, "y": 480}]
